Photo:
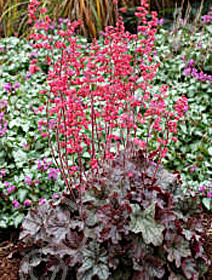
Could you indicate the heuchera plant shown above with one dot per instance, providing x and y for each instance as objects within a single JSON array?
[
  {"x": 120, "y": 217},
  {"x": 102, "y": 99},
  {"x": 130, "y": 225}
]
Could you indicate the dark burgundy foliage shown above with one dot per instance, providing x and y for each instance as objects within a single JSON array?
[{"x": 129, "y": 224}]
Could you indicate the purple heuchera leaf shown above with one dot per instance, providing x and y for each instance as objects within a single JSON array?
[
  {"x": 178, "y": 249},
  {"x": 189, "y": 269}
]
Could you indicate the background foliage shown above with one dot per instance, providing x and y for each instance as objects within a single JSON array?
[{"x": 96, "y": 14}]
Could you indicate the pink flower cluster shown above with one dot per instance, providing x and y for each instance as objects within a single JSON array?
[
  {"x": 103, "y": 96},
  {"x": 207, "y": 19}
]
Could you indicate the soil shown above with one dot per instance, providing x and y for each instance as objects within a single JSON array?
[
  {"x": 9, "y": 267},
  {"x": 207, "y": 223}
]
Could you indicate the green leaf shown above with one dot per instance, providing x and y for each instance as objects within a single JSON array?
[
  {"x": 15, "y": 122},
  {"x": 210, "y": 151},
  {"x": 144, "y": 222},
  {"x": 22, "y": 193},
  {"x": 102, "y": 271},
  {"x": 209, "y": 28},
  {"x": 18, "y": 220},
  {"x": 207, "y": 202},
  {"x": 3, "y": 224},
  {"x": 86, "y": 155},
  {"x": 20, "y": 157},
  {"x": 25, "y": 126}
]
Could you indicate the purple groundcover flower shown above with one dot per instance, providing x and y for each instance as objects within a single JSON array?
[
  {"x": 191, "y": 62},
  {"x": 7, "y": 86},
  {"x": 186, "y": 108},
  {"x": 11, "y": 189},
  {"x": 55, "y": 195},
  {"x": 193, "y": 168},
  {"x": 16, "y": 204},
  {"x": 27, "y": 76},
  {"x": 39, "y": 165},
  {"x": 28, "y": 180},
  {"x": 3, "y": 104},
  {"x": 161, "y": 21},
  {"x": 25, "y": 146},
  {"x": 42, "y": 201},
  {"x": 1, "y": 116},
  {"x": 3, "y": 129},
  {"x": 46, "y": 164},
  {"x": 209, "y": 195},
  {"x": 16, "y": 85},
  {"x": 53, "y": 173},
  {"x": 37, "y": 182},
  {"x": 27, "y": 202},
  {"x": 6, "y": 183},
  {"x": 202, "y": 188},
  {"x": 187, "y": 71},
  {"x": 3, "y": 172}
]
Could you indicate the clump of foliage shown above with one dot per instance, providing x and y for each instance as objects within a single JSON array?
[
  {"x": 127, "y": 224},
  {"x": 25, "y": 170}
]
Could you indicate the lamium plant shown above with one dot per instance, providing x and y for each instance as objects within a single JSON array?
[{"x": 121, "y": 216}]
